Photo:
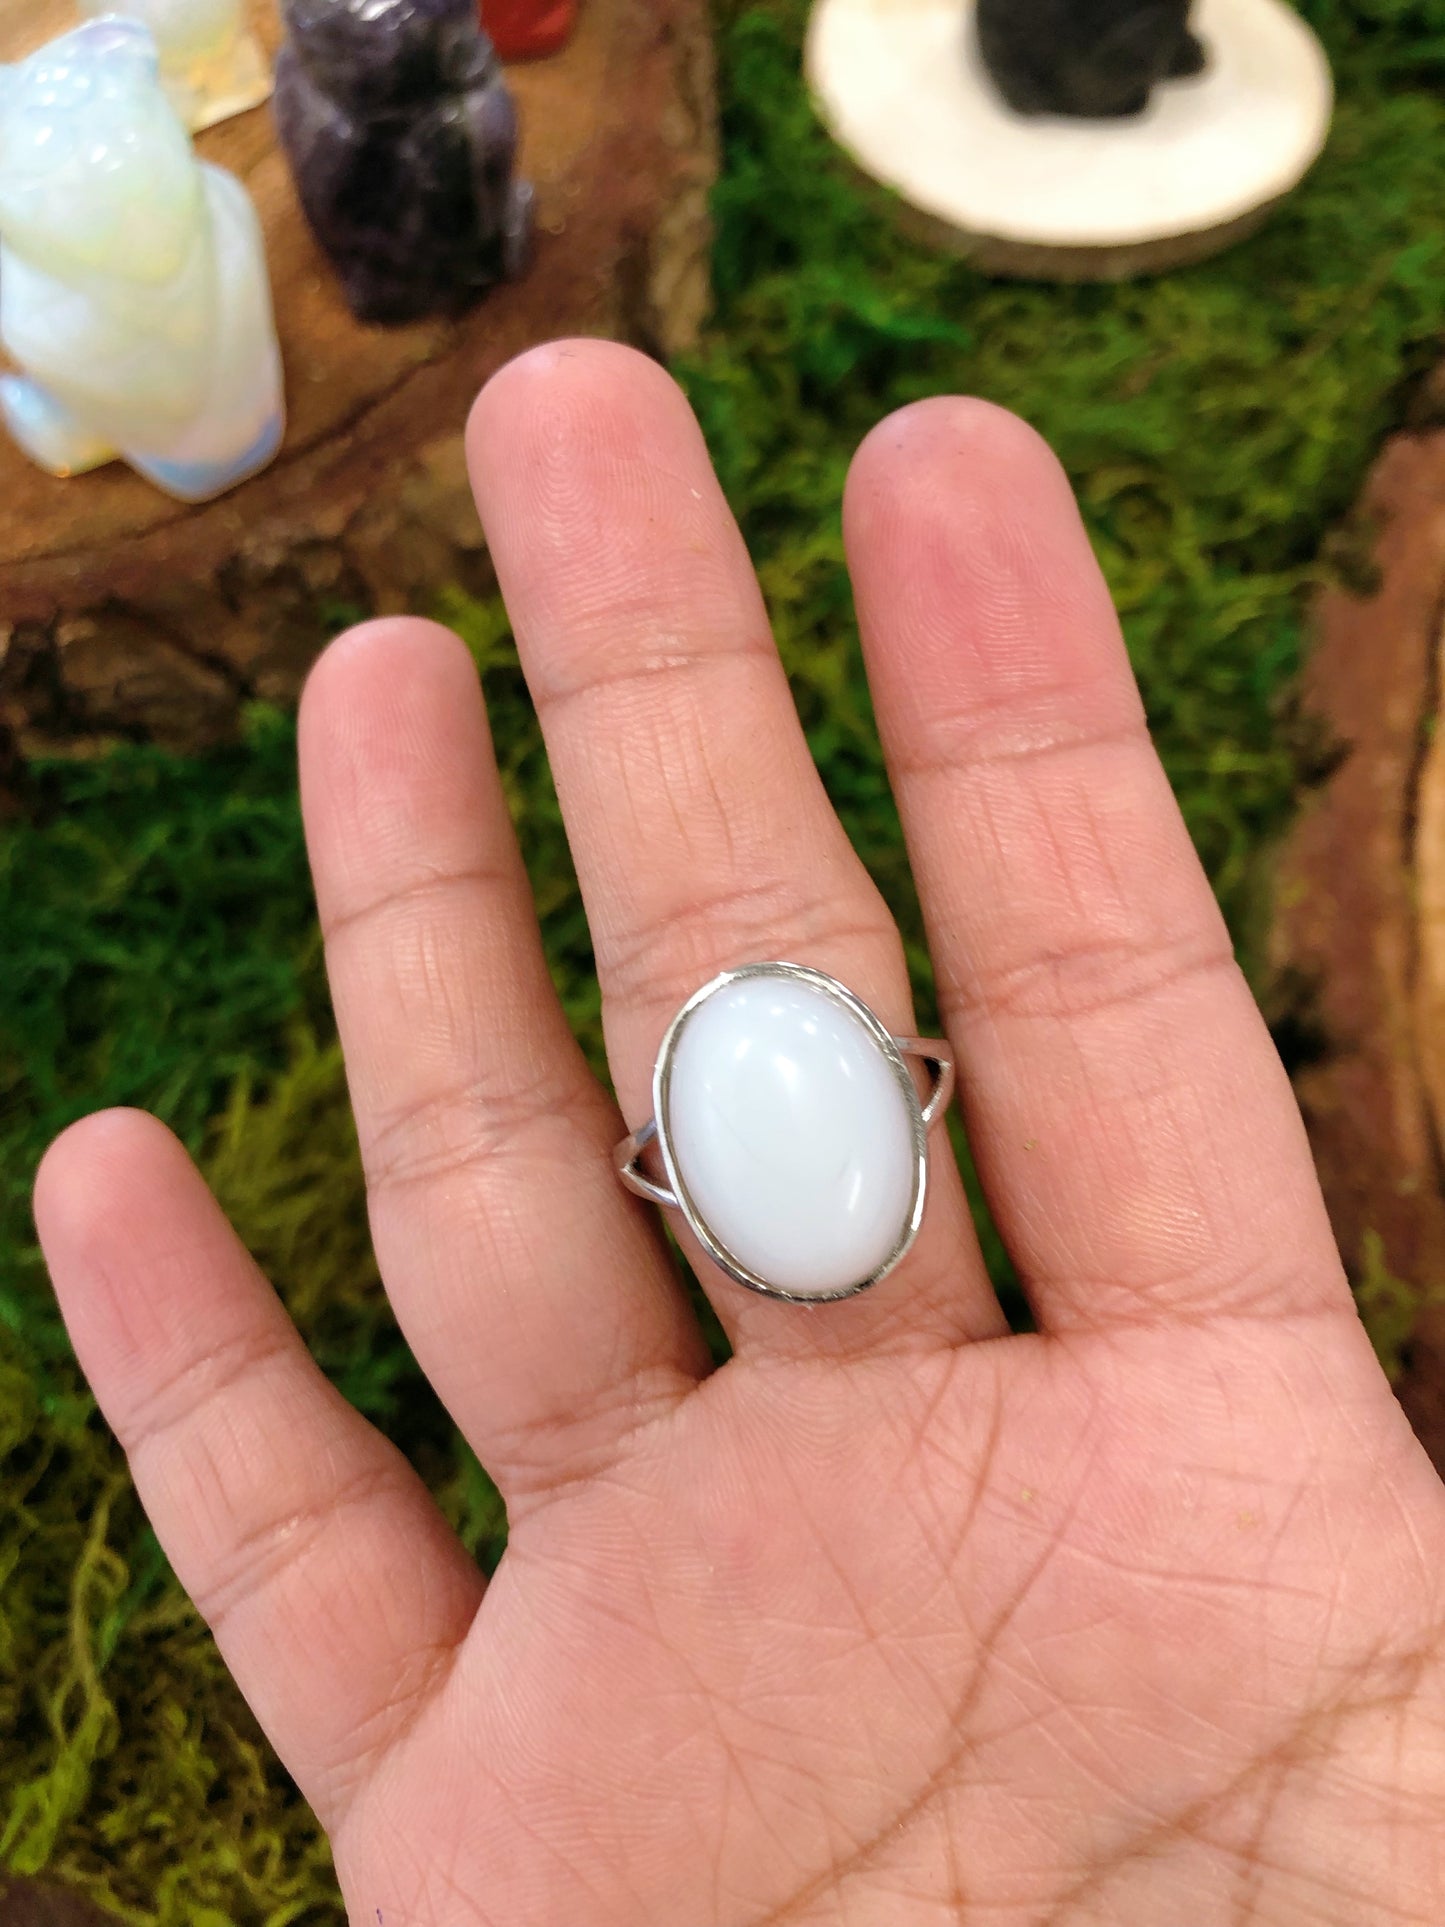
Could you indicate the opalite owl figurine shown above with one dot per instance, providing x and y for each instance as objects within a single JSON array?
[
  {"x": 1097, "y": 59},
  {"x": 211, "y": 65},
  {"x": 134, "y": 297},
  {"x": 402, "y": 137}
]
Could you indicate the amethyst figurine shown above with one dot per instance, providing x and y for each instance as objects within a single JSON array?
[
  {"x": 402, "y": 137},
  {"x": 1095, "y": 59}
]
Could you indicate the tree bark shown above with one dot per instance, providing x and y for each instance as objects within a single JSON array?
[
  {"x": 123, "y": 613},
  {"x": 1358, "y": 935}
]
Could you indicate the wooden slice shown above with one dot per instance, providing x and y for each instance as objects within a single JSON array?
[
  {"x": 38, "y": 1903},
  {"x": 903, "y": 87},
  {"x": 1359, "y": 927},
  {"x": 123, "y": 611}
]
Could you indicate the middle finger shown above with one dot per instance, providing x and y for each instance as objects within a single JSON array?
[{"x": 702, "y": 834}]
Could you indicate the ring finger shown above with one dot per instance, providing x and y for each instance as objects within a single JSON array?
[{"x": 702, "y": 834}]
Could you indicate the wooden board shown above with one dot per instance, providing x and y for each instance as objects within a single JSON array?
[
  {"x": 36, "y": 1903},
  {"x": 1358, "y": 936},
  {"x": 123, "y": 611}
]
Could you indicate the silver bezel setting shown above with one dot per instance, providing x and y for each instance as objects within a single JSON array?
[{"x": 675, "y": 1196}]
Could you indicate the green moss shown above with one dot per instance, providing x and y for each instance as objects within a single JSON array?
[
  {"x": 1214, "y": 422},
  {"x": 160, "y": 942},
  {"x": 1390, "y": 1305}
]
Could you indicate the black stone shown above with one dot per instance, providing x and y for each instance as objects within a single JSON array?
[
  {"x": 1092, "y": 59},
  {"x": 402, "y": 136}
]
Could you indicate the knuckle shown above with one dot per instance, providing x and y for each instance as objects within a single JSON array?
[
  {"x": 213, "y": 1374},
  {"x": 1086, "y": 978},
  {"x": 551, "y": 1120},
  {"x": 264, "y": 1541},
  {"x": 655, "y": 968},
  {"x": 647, "y": 674},
  {"x": 1012, "y": 730},
  {"x": 423, "y": 892},
  {"x": 614, "y": 1424}
]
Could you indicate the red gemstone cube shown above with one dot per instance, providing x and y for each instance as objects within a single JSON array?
[{"x": 524, "y": 29}]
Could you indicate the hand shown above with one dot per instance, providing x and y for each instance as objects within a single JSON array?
[{"x": 895, "y": 1620}]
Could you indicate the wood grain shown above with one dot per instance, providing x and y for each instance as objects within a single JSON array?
[{"x": 124, "y": 612}]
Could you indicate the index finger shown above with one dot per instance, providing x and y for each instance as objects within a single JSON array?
[{"x": 1133, "y": 1125}]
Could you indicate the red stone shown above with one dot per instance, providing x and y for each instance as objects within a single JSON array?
[{"x": 526, "y": 29}]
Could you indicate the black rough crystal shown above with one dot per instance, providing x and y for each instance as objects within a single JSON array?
[
  {"x": 1095, "y": 59},
  {"x": 402, "y": 136}
]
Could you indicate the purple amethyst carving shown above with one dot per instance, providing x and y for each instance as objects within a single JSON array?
[{"x": 403, "y": 138}]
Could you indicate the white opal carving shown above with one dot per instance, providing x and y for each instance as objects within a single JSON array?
[
  {"x": 134, "y": 296},
  {"x": 792, "y": 1132},
  {"x": 211, "y": 66}
]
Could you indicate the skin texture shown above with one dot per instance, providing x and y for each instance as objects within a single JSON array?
[{"x": 895, "y": 1620}]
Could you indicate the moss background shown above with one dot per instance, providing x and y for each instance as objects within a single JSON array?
[{"x": 158, "y": 931}]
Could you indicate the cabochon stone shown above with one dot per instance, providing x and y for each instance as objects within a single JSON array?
[{"x": 792, "y": 1134}]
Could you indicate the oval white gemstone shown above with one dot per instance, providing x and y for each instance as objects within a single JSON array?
[{"x": 792, "y": 1135}]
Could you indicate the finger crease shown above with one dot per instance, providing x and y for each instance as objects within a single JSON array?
[
  {"x": 747, "y": 923},
  {"x": 205, "y": 1378},
  {"x": 1086, "y": 979},
  {"x": 974, "y": 745},
  {"x": 278, "y": 1543},
  {"x": 554, "y": 698},
  {"x": 479, "y": 877},
  {"x": 549, "y": 1122}
]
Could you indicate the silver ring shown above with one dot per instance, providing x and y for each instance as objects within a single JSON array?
[{"x": 779, "y": 1095}]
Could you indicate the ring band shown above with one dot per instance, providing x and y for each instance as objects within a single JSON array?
[{"x": 791, "y": 1133}]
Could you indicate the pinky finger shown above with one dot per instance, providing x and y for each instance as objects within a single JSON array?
[{"x": 335, "y": 1589}]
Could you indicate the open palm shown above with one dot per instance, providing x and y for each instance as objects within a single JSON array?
[{"x": 894, "y": 1620}]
